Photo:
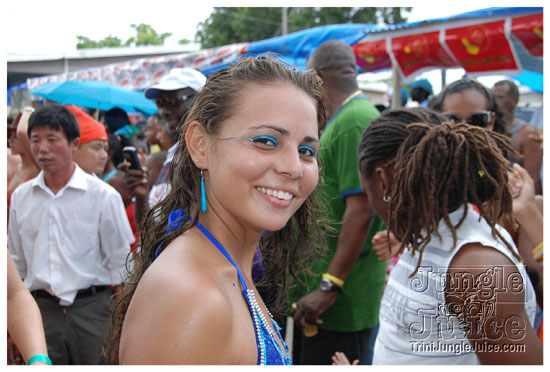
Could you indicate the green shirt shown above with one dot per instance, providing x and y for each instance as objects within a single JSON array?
[{"x": 357, "y": 307}]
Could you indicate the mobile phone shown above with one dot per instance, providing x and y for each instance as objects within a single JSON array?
[{"x": 130, "y": 155}]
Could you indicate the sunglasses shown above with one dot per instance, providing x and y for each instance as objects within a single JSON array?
[
  {"x": 480, "y": 119},
  {"x": 173, "y": 100}
]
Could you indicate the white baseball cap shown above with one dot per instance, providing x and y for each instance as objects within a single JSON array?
[{"x": 178, "y": 78}]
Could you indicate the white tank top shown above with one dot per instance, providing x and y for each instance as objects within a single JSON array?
[{"x": 415, "y": 326}]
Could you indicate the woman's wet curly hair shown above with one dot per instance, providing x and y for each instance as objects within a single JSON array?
[{"x": 287, "y": 253}]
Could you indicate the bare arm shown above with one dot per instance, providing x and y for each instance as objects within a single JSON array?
[
  {"x": 525, "y": 206},
  {"x": 529, "y": 215},
  {"x": 22, "y": 135},
  {"x": 136, "y": 181},
  {"x": 24, "y": 319},
  {"x": 532, "y": 154},
  {"x": 500, "y": 321},
  {"x": 14, "y": 161}
]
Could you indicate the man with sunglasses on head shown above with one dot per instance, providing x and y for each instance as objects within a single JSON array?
[
  {"x": 174, "y": 95},
  {"x": 506, "y": 95}
]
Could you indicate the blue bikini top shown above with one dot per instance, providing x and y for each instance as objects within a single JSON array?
[{"x": 269, "y": 350}]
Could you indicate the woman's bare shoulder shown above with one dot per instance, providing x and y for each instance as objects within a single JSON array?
[{"x": 177, "y": 302}]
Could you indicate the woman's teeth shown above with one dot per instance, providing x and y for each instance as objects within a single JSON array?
[{"x": 279, "y": 194}]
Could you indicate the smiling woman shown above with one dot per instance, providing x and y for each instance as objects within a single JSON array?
[{"x": 244, "y": 175}]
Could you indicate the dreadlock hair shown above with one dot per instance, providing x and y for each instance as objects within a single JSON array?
[
  {"x": 287, "y": 252},
  {"x": 382, "y": 138},
  {"x": 465, "y": 84},
  {"x": 441, "y": 169}
]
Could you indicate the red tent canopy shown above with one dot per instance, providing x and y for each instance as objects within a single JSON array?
[{"x": 479, "y": 47}]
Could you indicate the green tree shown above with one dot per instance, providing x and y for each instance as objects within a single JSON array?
[
  {"x": 232, "y": 25},
  {"x": 108, "y": 42},
  {"x": 145, "y": 35}
]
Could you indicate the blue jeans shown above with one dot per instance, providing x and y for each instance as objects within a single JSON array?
[
  {"x": 369, "y": 347},
  {"x": 319, "y": 349}
]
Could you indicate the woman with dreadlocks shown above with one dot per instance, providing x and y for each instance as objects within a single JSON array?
[
  {"x": 246, "y": 163},
  {"x": 398, "y": 118},
  {"x": 458, "y": 294}
]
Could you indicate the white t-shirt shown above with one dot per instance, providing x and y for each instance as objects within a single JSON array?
[{"x": 415, "y": 325}]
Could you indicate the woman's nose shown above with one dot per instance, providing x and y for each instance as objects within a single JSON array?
[{"x": 291, "y": 164}]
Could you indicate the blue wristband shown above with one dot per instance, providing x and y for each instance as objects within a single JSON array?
[{"x": 39, "y": 358}]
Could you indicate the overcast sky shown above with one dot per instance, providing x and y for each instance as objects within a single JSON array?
[
  {"x": 39, "y": 26},
  {"x": 52, "y": 26}
]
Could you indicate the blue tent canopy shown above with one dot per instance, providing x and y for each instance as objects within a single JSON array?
[
  {"x": 17, "y": 87},
  {"x": 296, "y": 47},
  {"x": 299, "y": 45},
  {"x": 531, "y": 79}
]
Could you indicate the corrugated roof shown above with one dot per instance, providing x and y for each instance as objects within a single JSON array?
[{"x": 105, "y": 53}]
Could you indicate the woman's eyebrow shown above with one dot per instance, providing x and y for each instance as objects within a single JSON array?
[
  {"x": 283, "y": 131},
  {"x": 273, "y": 127},
  {"x": 309, "y": 139}
]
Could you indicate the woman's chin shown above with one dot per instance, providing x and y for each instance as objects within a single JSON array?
[{"x": 275, "y": 226}]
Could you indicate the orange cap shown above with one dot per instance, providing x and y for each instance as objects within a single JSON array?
[{"x": 90, "y": 129}]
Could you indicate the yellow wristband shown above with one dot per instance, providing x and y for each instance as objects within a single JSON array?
[{"x": 339, "y": 282}]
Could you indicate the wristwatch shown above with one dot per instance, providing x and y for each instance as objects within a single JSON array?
[{"x": 329, "y": 286}]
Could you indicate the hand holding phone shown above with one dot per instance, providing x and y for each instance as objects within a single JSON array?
[{"x": 130, "y": 155}]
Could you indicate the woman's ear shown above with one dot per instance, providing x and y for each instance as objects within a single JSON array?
[
  {"x": 384, "y": 179},
  {"x": 196, "y": 140}
]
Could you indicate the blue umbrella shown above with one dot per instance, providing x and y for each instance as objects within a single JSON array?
[{"x": 95, "y": 95}]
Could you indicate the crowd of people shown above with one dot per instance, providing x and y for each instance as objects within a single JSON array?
[{"x": 264, "y": 200}]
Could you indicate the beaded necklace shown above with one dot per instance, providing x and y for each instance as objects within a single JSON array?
[
  {"x": 351, "y": 96},
  {"x": 269, "y": 350}
]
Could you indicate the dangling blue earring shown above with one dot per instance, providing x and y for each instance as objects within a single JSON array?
[{"x": 203, "y": 195}]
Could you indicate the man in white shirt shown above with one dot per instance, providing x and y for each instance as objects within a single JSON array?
[{"x": 69, "y": 237}]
